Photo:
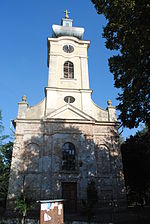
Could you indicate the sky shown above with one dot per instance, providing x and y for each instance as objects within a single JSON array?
[{"x": 24, "y": 28}]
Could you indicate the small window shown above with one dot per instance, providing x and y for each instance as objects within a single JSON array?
[
  {"x": 69, "y": 99},
  {"x": 68, "y": 156},
  {"x": 68, "y": 70}
]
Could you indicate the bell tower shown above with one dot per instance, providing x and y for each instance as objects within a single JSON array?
[{"x": 68, "y": 67}]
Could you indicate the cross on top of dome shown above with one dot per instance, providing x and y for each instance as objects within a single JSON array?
[{"x": 66, "y": 14}]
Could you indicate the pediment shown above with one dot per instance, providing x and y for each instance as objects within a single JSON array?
[{"x": 69, "y": 112}]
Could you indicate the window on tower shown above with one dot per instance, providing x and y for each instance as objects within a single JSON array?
[
  {"x": 68, "y": 156},
  {"x": 68, "y": 70}
]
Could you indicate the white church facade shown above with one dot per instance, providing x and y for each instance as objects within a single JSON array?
[{"x": 67, "y": 141}]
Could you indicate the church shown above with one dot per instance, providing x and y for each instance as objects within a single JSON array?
[{"x": 67, "y": 142}]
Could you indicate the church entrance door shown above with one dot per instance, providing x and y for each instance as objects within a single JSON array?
[{"x": 69, "y": 194}]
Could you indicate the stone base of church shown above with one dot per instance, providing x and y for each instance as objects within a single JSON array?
[
  {"x": 99, "y": 216},
  {"x": 81, "y": 209}
]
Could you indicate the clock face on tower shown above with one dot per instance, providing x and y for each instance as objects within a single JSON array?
[{"x": 68, "y": 48}]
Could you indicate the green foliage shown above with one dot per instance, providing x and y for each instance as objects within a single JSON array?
[
  {"x": 24, "y": 202},
  {"x": 2, "y": 137},
  {"x": 21, "y": 204},
  {"x": 5, "y": 162},
  {"x": 121, "y": 139},
  {"x": 136, "y": 164},
  {"x": 127, "y": 31}
]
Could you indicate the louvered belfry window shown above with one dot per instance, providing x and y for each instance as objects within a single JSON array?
[{"x": 68, "y": 70}]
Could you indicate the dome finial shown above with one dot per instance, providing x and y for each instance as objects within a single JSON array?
[
  {"x": 109, "y": 102},
  {"x": 24, "y": 98},
  {"x": 66, "y": 14}
]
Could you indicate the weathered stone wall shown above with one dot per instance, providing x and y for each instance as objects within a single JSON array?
[{"x": 37, "y": 160}]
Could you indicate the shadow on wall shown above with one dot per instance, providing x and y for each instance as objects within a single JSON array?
[{"x": 37, "y": 172}]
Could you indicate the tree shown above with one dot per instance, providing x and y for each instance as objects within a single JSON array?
[
  {"x": 127, "y": 31},
  {"x": 5, "y": 162},
  {"x": 24, "y": 202},
  {"x": 136, "y": 164}
]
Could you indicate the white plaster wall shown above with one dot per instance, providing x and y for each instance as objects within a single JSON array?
[
  {"x": 36, "y": 112},
  {"x": 58, "y": 57},
  {"x": 52, "y": 71},
  {"x": 84, "y": 73}
]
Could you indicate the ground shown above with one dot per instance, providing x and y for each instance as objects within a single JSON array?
[{"x": 134, "y": 215}]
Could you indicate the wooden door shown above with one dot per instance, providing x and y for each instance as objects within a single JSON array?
[{"x": 69, "y": 194}]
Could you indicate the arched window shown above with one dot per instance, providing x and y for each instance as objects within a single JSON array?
[
  {"x": 68, "y": 70},
  {"x": 68, "y": 156}
]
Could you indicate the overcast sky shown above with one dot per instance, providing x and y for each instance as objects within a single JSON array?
[{"x": 24, "y": 28}]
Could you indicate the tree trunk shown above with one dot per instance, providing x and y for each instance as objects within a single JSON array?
[
  {"x": 23, "y": 220},
  {"x": 24, "y": 216}
]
